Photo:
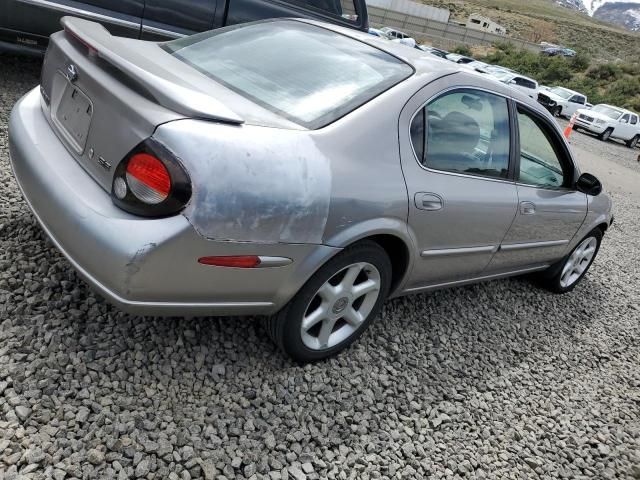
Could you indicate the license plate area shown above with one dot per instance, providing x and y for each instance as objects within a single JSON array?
[{"x": 72, "y": 116}]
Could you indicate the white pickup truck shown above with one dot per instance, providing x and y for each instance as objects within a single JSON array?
[
  {"x": 610, "y": 122},
  {"x": 562, "y": 102}
]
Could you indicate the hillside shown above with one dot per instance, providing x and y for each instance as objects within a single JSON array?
[{"x": 544, "y": 20}]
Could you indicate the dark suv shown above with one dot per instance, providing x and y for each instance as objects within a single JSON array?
[{"x": 25, "y": 25}]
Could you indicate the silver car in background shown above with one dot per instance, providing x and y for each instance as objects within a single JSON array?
[{"x": 293, "y": 169}]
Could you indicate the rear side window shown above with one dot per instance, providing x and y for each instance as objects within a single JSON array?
[
  {"x": 634, "y": 120},
  {"x": 523, "y": 82},
  {"x": 305, "y": 73},
  {"x": 466, "y": 131},
  {"x": 345, "y": 9}
]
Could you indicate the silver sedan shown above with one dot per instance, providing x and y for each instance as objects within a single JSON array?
[{"x": 293, "y": 169}]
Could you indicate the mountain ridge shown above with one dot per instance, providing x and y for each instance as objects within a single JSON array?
[{"x": 624, "y": 13}]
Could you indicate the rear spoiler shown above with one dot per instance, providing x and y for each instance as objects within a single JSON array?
[{"x": 178, "y": 98}]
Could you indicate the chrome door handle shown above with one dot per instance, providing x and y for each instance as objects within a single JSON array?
[
  {"x": 527, "y": 208},
  {"x": 428, "y": 201}
]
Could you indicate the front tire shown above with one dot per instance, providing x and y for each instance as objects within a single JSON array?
[
  {"x": 633, "y": 142},
  {"x": 563, "y": 276},
  {"x": 606, "y": 135},
  {"x": 335, "y": 306}
]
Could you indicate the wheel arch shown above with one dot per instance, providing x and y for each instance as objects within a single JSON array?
[{"x": 392, "y": 235}]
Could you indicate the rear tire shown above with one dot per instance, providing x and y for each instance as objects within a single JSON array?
[
  {"x": 606, "y": 135},
  {"x": 633, "y": 143},
  {"x": 563, "y": 276},
  {"x": 335, "y": 306}
]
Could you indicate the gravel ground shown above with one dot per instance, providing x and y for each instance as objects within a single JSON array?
[{"x": 500, "y": 380}]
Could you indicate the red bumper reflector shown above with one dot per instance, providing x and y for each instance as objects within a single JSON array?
[{"x": 244, "y": 261}]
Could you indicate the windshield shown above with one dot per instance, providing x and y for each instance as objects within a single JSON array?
[
  {"x": 308, "y": 74},
  {"x": 612, "y": 113},
  {"x": 562, "y": 93}
]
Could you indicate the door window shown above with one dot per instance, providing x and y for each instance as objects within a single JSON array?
[
  {"x": 578, "y": 99},
  {"x": 540, "y": 162},
  {"x": 339, "y": 8},
  {"x": 467, "y": 131},
  {"x": 523, "y": 82},
  {"x": 634, "y": 119},
  {"x": 625, "y": 118}
]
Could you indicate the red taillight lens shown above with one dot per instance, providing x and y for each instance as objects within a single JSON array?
[
  {"x": 148, "y": 178},
  {"x": 244, "y": 261},
  {"x": 151, "y": 181}
]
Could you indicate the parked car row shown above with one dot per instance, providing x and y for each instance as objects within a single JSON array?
[{"x": 603, "y": 120}]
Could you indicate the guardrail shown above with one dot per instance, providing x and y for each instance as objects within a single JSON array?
[{"x": 440, "y": 34}]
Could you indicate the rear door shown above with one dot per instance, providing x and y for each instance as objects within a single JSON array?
[
  {"x": 30, "y": 22},
  {"x": 167, "y": 19},
  {"x": 625, "y": 130},
  {"x": 550, "y": 210},
  {"x": 455, "y": 153}
]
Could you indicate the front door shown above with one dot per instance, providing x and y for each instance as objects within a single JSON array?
[
  {"x": 550, "y": 210},
  {"x": 455, "y": 156}
]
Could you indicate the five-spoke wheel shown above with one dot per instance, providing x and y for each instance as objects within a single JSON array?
[
  {"x": 565, "y": 275},
  {"x": 335, "y": 305},
  {"x": 340, "y": 306}
]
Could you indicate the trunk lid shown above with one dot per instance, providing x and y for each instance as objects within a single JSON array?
[{"x": 103, "y": 95}]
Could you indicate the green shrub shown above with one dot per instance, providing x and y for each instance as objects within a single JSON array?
[
  {"x": 462, "y": 50},
  {"x": 555, "y": 70},
  {"x": 580, "y": 62},
  {"x": 606, "y": 71}
]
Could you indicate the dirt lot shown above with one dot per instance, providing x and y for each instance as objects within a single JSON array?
[{"x": 499, "y": 380}]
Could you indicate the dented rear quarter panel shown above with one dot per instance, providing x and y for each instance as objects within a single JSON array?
[{"x": 269, "y": 185}]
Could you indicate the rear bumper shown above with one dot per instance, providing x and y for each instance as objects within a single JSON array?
[{"x": 143, "y": 266}]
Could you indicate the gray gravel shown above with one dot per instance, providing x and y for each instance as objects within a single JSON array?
[{"x": 500, "y": 380}]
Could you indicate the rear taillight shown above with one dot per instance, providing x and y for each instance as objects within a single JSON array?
[
  {"x": 151, "y": 182},
  {"x": 148, "y": 178}
]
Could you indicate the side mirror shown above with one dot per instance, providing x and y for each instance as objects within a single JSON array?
[{"x": 589, "y": 185}]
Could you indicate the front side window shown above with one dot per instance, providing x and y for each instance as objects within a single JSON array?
[
  {"x": 308, "y": 74},
  {"x": 625, "y": 118},
  {"x": 540, "y": 163},
  {"x": 467, "y": 131}
]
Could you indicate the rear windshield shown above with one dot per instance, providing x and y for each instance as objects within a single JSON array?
[{"x": 308, "y": 74}]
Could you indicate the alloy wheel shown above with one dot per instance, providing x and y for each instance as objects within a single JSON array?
[
  {"x": 578, "y": 262},
  {"x": 340, "y": 306}
]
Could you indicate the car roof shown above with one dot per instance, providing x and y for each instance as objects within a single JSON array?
[
  {"x": 412, "y": 56},
  {"x": 427, "y": 65},
  {"x": 571, "y": 91},
  {"x": 624, "y": 110}
]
